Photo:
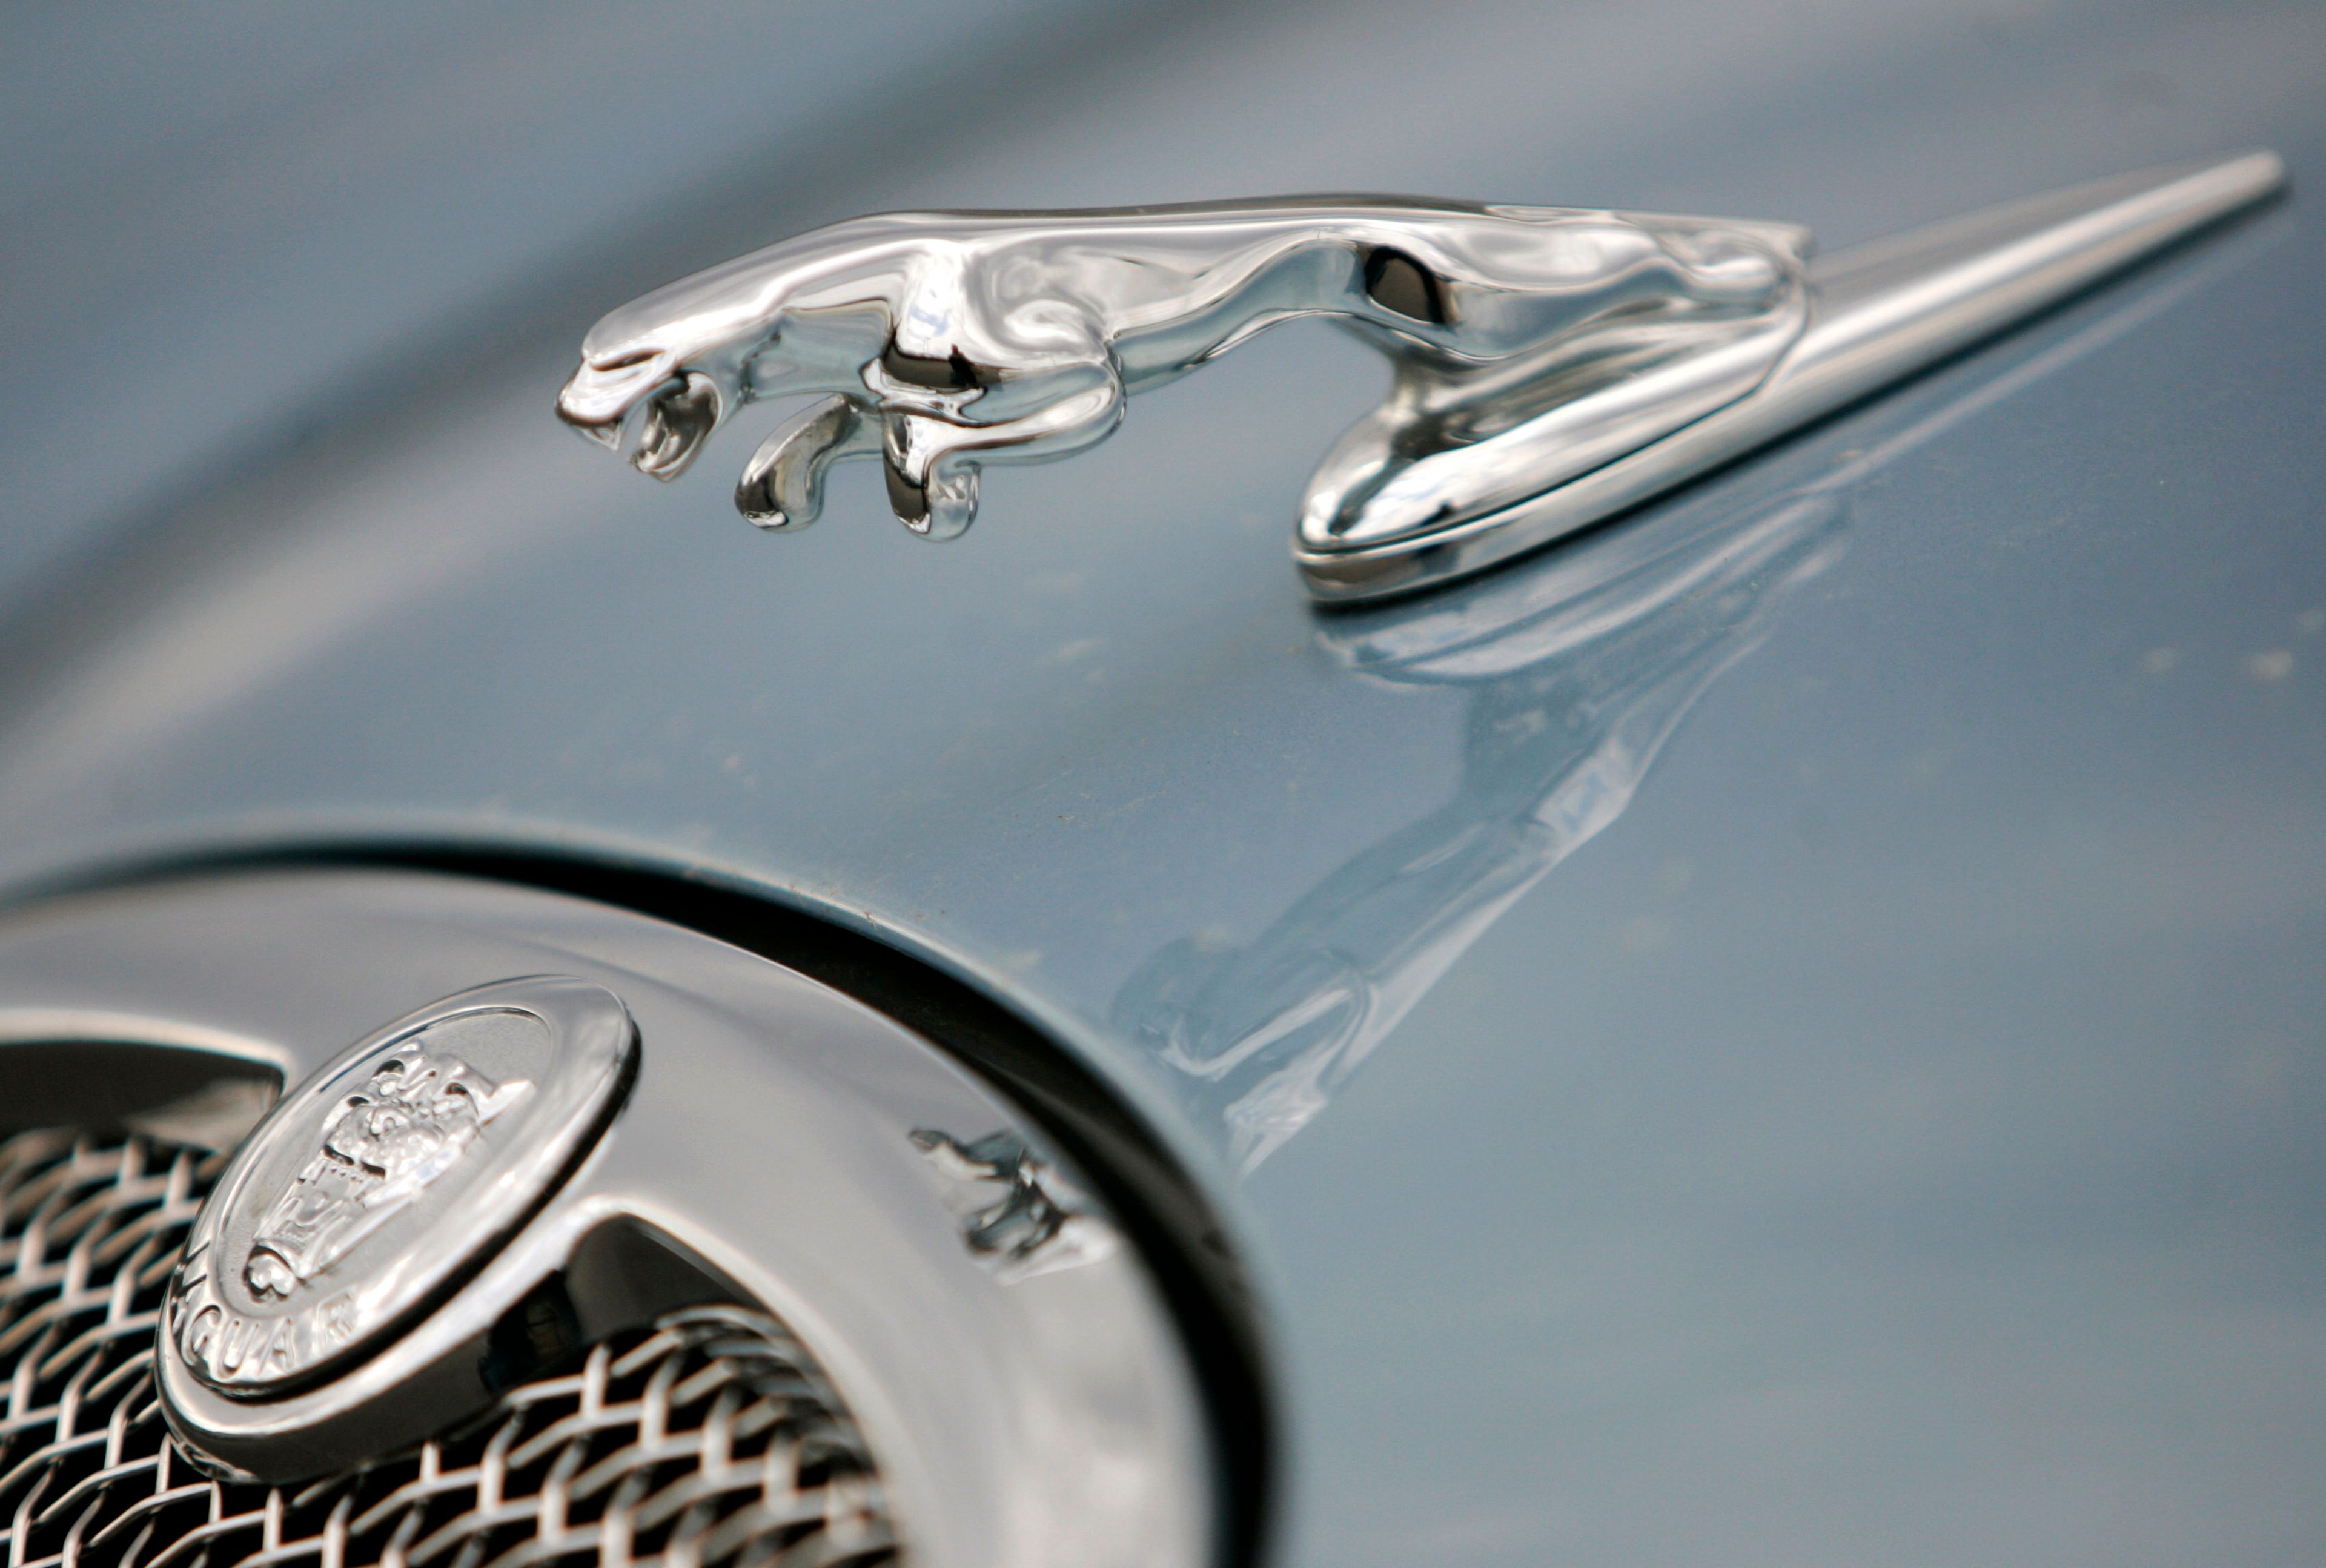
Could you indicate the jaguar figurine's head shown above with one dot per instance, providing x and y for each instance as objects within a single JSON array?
[
  {"x": 641, "y": 400},
  {"x": 661, "y": 374}
]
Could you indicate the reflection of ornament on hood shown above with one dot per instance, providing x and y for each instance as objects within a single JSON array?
[
  {"x": 1577, "y": 670},
  {"x": 406, "y": 1127},
  {"x": 1579, "y": 666}
]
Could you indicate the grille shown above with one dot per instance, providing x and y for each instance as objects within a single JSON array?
[{"x": 706, "y": 1440}]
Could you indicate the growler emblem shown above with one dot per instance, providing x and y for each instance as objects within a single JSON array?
[
  {"x": 381, "y": 1183},
  {"x": 408, "y": 1126}
]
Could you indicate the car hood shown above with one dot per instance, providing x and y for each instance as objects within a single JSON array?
[{"x": 1833, "y": 956}]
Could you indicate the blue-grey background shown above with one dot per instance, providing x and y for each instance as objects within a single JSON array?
[{"x": 1841, "y": 1042}]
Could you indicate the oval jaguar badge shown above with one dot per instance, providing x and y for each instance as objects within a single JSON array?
[{"x": 390, "y": 1176}]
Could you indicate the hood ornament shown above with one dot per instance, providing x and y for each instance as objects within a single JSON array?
[{"x": 1553, "y": 366}]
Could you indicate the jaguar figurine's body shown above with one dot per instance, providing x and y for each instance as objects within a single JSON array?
[{"x": 1533, "y": 343}]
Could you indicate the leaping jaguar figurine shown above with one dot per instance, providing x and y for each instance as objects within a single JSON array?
[
  {"x": 1532, "y": 344},
  {"x": 1555, "y": 366}
]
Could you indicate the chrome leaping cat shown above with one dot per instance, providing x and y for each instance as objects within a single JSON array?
[
  {"x": 1533, "y": 343},
  {"x": 1554, "y": 367}
]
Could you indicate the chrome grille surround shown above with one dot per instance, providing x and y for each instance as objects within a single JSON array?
[
  {"x": 1038, "y": 1405},
  {"x": 710, "y": 1439}
]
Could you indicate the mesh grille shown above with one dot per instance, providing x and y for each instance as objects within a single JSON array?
[{"x": 706, "y": 1440}]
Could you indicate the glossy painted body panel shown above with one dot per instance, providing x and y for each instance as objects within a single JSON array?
[{"x": 1839, "y": 1033}]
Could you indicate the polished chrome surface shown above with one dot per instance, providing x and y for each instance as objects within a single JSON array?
[
  {"x": 184, "y": 1085},
  {"x": 1881, "y": 312},
  {"x": 1553, "y": 366},
  {"x": 1007, "y": 1357},
  {"x": 390, "y": 1173},
  {"x": 1532, "y": 344},
  {"x": 710, "y": 1437},
  {"x": 1041, "y": 1221}
]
